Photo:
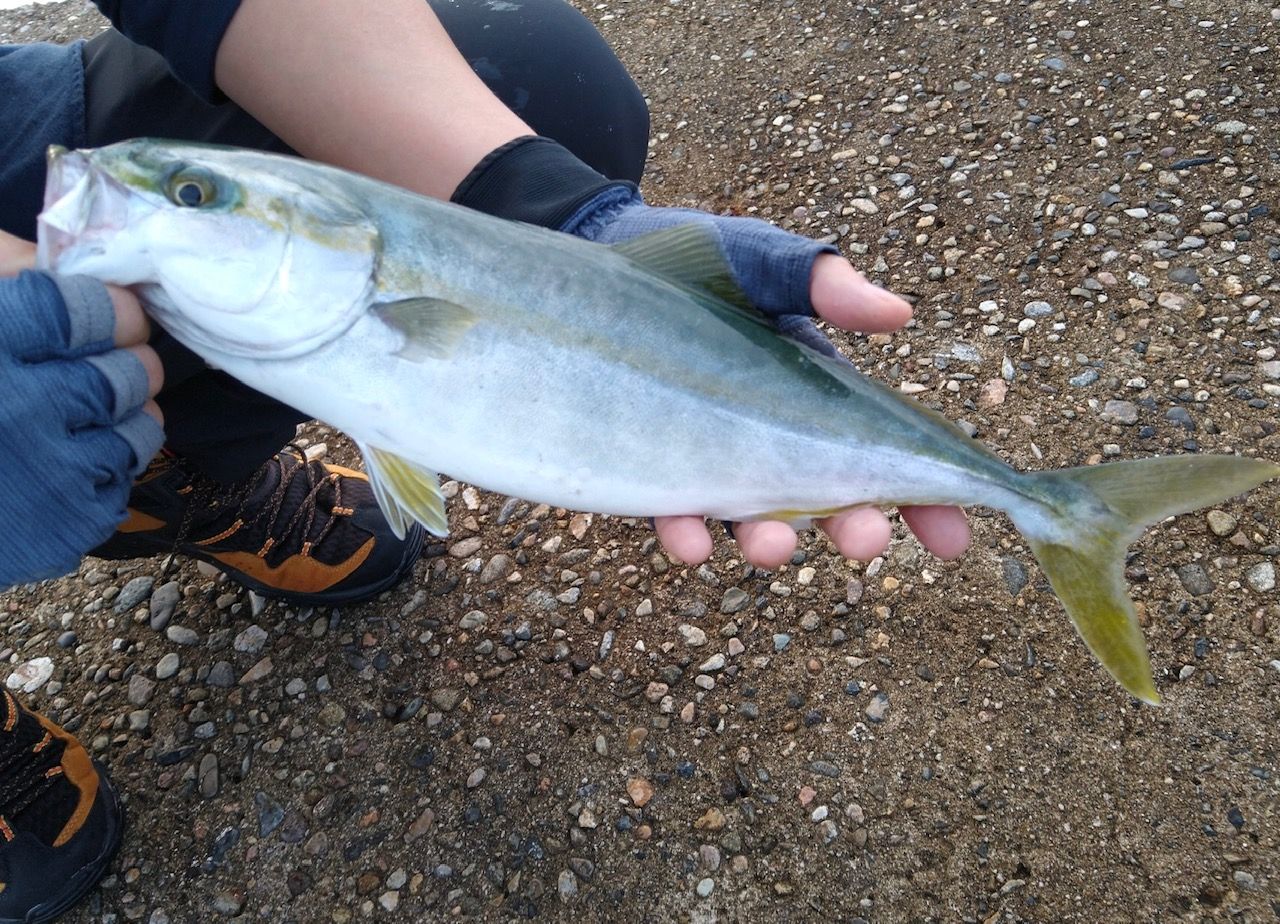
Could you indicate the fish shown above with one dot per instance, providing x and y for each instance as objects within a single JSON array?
[{"x": 633, "y": 379}]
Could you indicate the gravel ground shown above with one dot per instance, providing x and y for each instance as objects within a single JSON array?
[{"x": 553, "y": 720}]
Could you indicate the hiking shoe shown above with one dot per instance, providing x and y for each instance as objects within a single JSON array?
[
  {"x": 300, "y": 531},
  {"x": 60, "y": 819}
]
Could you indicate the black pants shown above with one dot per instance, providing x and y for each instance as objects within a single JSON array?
[{"x": 544, "y": 60}]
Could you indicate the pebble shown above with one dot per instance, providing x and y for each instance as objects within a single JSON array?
[
  {"x": 221, "y": 675},
  {"x": 465, "y": 548},
  {"x": 705, "y": 887},
  {"x": 163, "y": 602},
  {"x": 1037, "y": 309},
  {"x": 1087, "y": 377},
  {"x": 878, "y": 708},
  {"x": 640, "y": 790},
  {"x": 134, "y": 593},
  {"x": 1196, "y": 580},
  {"x": 181, "y": 635},
  {"x": 735, "y": 600},
  {"x": 30, "y": 676},
  {"x": 1124, "y": 413},
  {"x": 259, "y": 671},
  {"x": 567, "y": 885},
  {"x": 499, "y": 566},
  {"x": 141, "y": 689},
  {"x": 1222, "y": 524},
  {"x": 250, "y": 639},
  {"x": 1262, "y": 577},
  {"x": 167, "y": 666},
  {"x": 711, "y": 820},
  {"x": 692, "y": 635}
]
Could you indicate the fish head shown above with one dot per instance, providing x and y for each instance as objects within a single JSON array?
[{"x": 230, "y": 251}]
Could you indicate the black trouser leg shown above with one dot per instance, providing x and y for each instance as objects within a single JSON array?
[{"x": 540, "y": 57}]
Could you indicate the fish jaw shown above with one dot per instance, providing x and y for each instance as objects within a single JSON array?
[{"x": 85, "y": 211}]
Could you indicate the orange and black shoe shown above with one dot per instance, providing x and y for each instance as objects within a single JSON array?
[
  {"x": 60, "y": 819},
  {"x": 305, "y": 532}
]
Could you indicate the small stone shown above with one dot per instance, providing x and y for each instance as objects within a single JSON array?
[
  {"x": 705, "y": 887},
  {"x": 714, "y": 663},
  {"x": 567, "y": 885},
  {"x": 221, "y": 675},
  {"x": 181, "y": 635},
  {"x": 473, "y": 620},
  {"x": 1087, "y": 377},
  {"x": 1037, "y": 309},
  {"x": 1222, "y": 524},
  {"x": 711, "y": 820},
  {"x": 228, "y": 903},
  {"x": 259, "y": 671},
  {"x": 420, "y": 826},
  {"x": 250, "y": 639},
  {"x": 208, "y": 776},
  {"x": 497, "y": 567},
  {"x": 141, "y": 689},
  {"x": 333, "y": 715},
  {"x": 878, "y": 707},
  {"x": 477, "y": 777},
  {"x": 31, "y": 676},
  {"x": 295, "y": 687},
  {"x": 640, "y": 790},
  {"x": 1014, "y": 574},
  {"x": 735, "y": 600},
  {"x": 1124, "y": 413},
  {"x": 692, "y": 635},
  {"x": 445, "y": 698},
  {"x": 389, "y": 900},
  {"x": 1186, "y": 275},
  {"x": 167, "y": 666},
  {"x": 164, "y": 601},
  {"x": 134, "y": 593},
  {"x": 1262, "y": 577},
  {"x": 1230, "y": 127},
  {"x": 1196, "y": 580},
  {"x": 465, "y": 548}
]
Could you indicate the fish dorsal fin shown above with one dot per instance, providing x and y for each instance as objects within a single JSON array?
[
  {"x": 690, "y": 256},
  {"x": 431, "y": 327},
  {"x": 405, "y": 491}
]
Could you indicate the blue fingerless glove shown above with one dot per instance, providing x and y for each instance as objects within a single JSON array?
[
  {"x": 536, "y": 180},
  {"x": 72, "y": 433}
]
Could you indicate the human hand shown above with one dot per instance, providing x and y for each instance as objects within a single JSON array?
[
  {"x": 789, "y": 278},
  {"x": 77, "y": 423}
]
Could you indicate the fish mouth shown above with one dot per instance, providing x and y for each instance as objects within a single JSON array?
[{"x": 82, "y": 205}]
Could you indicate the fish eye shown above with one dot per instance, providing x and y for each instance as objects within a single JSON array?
[{"x": 192, "y": 188}]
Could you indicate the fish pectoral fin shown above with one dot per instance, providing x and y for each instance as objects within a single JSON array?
[
  {"x": 406, "y": 492},
  {"x": 690, "y": 256},
  {"x": 431, "y": 327}
]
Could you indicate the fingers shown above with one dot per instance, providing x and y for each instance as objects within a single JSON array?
[
  {"x": 132, "y": 326},
  {"x": 766, "y": 543},
  {"x": 16, "y": 255},
  {"x": 944, "y": 531},
  {"x": 151, "y": 363},
  {"x": 860, "y": 534},
  {"x": 684, "y": 538},
  {"x": 846, "y": 298}
]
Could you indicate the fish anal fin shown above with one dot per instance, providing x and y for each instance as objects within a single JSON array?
[
  {"x": 406, "y": 492},
  {"x": 431, "y": 327}
]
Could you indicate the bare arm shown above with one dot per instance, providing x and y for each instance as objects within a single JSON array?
[{"x": 320, "y": 73}]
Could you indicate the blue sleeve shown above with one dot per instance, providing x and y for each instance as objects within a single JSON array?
[{"x": 187, "y": 34}]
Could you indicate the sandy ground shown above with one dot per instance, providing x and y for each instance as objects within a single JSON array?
[{"x": 1079, "y": 197}]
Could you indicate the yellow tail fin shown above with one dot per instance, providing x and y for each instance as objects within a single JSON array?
[{"x": 1100, "y": 510}]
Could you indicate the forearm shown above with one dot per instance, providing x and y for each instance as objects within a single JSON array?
[{"x": 382, "y": 91}]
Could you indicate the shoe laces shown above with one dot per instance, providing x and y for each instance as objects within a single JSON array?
[
  {"x": 28, "y": 768},
  {"x": 208, "y": 494}
]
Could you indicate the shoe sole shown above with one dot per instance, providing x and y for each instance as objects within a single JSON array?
[{"x": 82, "y": 882}]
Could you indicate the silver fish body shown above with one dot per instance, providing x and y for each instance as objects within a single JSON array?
[{"x": 535, "y": 364}]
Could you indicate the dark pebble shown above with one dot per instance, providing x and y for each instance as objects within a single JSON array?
[
  {"x": 1185, "y": 275},
  {"x": 1180, "y": 417},
  {"x": 67, "y": 639},
  {"x": 270, "y": 813},
  {"x": 1015, "y": 575},
  {"x": 1235, "y": 817},
  {"x": 825, "y": 768}
]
